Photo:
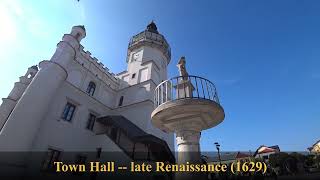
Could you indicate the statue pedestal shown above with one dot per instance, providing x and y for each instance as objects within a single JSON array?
[{"x": 184, "y": 89}]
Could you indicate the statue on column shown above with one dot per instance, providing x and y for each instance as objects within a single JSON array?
[{"x": 182, "y": 68}]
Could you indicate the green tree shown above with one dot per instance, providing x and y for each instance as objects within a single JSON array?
[
  {"x": 317, "y": 160},
  {"x": 299, "y": 157},
  {"x": 309, "y": 161},
  {"x": 277, "y": 159}
]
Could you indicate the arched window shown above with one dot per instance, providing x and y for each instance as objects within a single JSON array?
[{"x": 91, "y": 88}]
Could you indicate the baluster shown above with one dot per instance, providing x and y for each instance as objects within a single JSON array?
[
  {"x": 171, "y": 90},
  {"x": 178, "y": 87},
  {"x": 166, "y": 91},
  {"x": 202, "y": 88},
  {"x": 197, "y": 86},
  {"x": 184, "y": 88},
  {"x": 158, "y": 95},
  {"x": 207, "y": 89},
  {"x": 213, "y": 90}
]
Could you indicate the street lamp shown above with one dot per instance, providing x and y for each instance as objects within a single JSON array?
[{"x": 218, "y": 148}]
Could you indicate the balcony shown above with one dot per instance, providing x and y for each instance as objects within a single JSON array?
[
  {"x": 186, "y": 102},
  {"x": 153, "y": 39}
]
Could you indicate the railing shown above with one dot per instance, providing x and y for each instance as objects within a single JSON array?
[
  {"x": 185, "y": 87},
  {"x": 146, "y": 35}
]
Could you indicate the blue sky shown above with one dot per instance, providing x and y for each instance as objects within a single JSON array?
[{"x": 263, "y": 56}]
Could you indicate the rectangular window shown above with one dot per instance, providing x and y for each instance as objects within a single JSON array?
[
  {"x": 91, "y": 120},
  {"x": 265, "y": 157},
  {"x": 114, "y": 134},
  {"x": 133, "y": 75},
  {"x": 51, "y": 157},
  {"x": 98, "y": 155},
  {"x": 121, "y": 101},
  {"x": 80, "y": 159},
  {"x": 144, "y": 75},
  {"x": 68, "y": 111}
]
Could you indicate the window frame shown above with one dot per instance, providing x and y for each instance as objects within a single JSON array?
[
  {"x": 133, "y": 76},
  {"x": 66, "y": 115},
  {"x": 90, "y": 124},
  {"x": 52, "y": 155},
  {"x": 80, "y": 159},
  {"x": 91, "y": 88},
  {"x": 121, "y": 101}
]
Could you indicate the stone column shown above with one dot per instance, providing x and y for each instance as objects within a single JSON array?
[
  {"x": 189, "y": 152},
  {"x": 188, "y": 146}
]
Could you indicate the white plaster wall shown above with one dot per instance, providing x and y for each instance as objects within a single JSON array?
[
  {"x": 71, "y": 136},
  {"x": 80, "y": 77},
  {"x": 137, "y": 105},
  {"x": 75, "y": 77}
]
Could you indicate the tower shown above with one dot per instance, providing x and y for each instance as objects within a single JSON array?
[
  {"x": 33, "y": 104},
  {"x": 10, "y": 102},
  {"x": 148, "y": 57}
]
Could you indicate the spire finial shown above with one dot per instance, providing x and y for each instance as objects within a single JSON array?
[{"x": 152, "y": 27}]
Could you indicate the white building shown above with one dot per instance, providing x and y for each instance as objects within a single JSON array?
[
  {"x": 264, "y": 152},
  {"x": 73, "y": 103}
]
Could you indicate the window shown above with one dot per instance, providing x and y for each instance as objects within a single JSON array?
[
  {"x": 98, "y": 155},
  {"x": 51, "y": 157},
  {"x": 133, "y": 75},
  {"x": 68, "y": 112},
  {"x": 80, "y": 159},
  {"x": 121, "y": 101},
  {"x": 91, "y": 120},
  {"x": 114, "y": 134},
  {"x": 265, "y": 157},
  {"x": 91, "y": 88}
]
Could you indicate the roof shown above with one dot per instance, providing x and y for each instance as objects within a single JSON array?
[
  {"x": 316, "y": 143},
  {"x": 157, "y": 145},
  {"x": 275, "y": 147},
  {"x": 267, "y": 149},
  {"x": 124, "y": 124}
]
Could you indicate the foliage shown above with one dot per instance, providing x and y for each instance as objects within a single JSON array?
[
  {"x": 299, "y": 157},
  {"x": 277, "y": 159},
  {"x": 309, "y": 161}
]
